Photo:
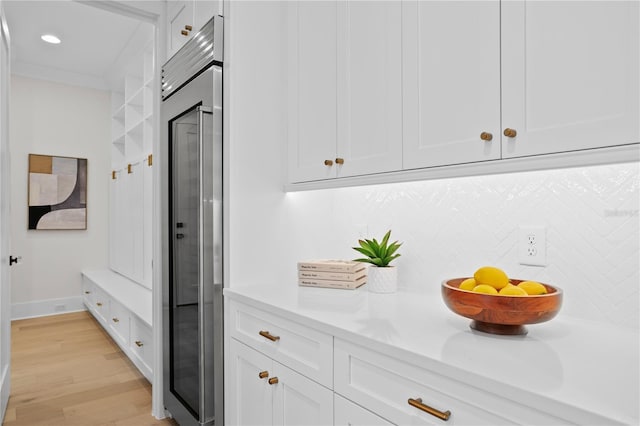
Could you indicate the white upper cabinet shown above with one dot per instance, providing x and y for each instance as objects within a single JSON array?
[
  {"x": 451, "y": 82},
  {"x": 345, "y": 89},
  {"x": 312, "y": 90},
  {"x": 393, "y": 86},
  {"x": 185, "y": 18},
  {"x": 570, "y": 75}
]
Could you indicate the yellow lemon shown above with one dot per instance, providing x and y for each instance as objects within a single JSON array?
[
  {"x": 489, "y": 275},
  {"x": 468, "y": 284},
  {"x": 533, "y": 287},
  {"x": 483, "y": 288},
  {"x": 512, "y": 290}
]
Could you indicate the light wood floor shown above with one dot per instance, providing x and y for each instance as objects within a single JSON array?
[{"x": 66, "y": 370}]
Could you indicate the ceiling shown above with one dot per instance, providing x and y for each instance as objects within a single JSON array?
[{"x": 93, "y": 40}]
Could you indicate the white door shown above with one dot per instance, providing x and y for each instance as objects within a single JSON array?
[
  {"x": 299, "y": 401},
  {"x": 570, "y": 75},
  {"x": 250, "y": 394},
  {"x": 5, "y": 233},
  {"x": 312, "y": 90},
  {"x": 451, "y": 82},
  {"x": 369, "y": 95}
]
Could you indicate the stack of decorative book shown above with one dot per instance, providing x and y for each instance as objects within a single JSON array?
[{"x": 332, "y": 273}]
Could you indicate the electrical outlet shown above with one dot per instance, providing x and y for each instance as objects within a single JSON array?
[{"x": 532, "y": 245}]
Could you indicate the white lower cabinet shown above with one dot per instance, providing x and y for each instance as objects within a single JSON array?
[
  {"x": 141, "y": 347},
  {"x": 119, "y": 322},
  {"x": 346, "y": 413},
  {"x": 119, "y": 305},
  {"x": 265, "y": 392}
]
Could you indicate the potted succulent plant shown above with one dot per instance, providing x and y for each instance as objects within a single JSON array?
[{"x": 381, "y": 277}]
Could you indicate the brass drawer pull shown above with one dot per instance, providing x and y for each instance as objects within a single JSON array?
[
  {"x": 188, "y": 27},
  {"x": 139, "y": 343},
  {"x": 510, "y": 133},
  {"x": 442, "y": 415},
  {"x": 486, "y": 136},
  {"x": 328, "y": 163},
  {"x": 273, "y": 380},
  {"x": 87, "y": 292},
  {"x": 339, "y": 160},
  {"x": 184, "y": 33},
  {"x": 263, "y": 374},
  {"x": 269, "y": 336},
  {"x": 99, "y": 304},
  {"x": 115, "y": 319}
]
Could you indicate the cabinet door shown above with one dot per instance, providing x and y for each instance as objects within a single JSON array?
[
  {"x": 451, "y": 82},
  {"x": 349, "y": 414},
  {"x": 179, "y": 18},
  {"x": 570, "y": 75},
  {"x": 312, "y": 90},
  {"x": 250, "y": 395},
  {"x": 299, "y": 401},
  {"x": 369, "y": 91}
]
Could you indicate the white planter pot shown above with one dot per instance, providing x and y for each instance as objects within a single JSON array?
[{"x": 382, "y": 280}]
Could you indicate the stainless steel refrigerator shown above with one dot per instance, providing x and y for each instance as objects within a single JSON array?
[{"x": 191, "y": 114}]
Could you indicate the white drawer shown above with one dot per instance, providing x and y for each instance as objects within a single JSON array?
[
  {"x": 101, "y": 301},
  {"x": 141, "y": 344},
  {"x": 87, "y": 292},
  {"x": 118, "y": 321},
  {"x": 385, "y": 385},
  {"x": 346, "y": 413},
  {"x": 305, "y": 350}
]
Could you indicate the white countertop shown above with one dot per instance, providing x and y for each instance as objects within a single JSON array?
[{"x": 585, "y": 365}]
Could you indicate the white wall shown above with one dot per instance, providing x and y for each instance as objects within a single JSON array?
[
  {"x": 56, "y": 119},
  {"x": 449, "y": 227}
]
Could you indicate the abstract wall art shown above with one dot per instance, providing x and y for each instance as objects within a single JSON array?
[{"x": 57, "y": 192}]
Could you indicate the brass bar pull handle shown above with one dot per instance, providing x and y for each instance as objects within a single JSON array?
[
  {"x": 328, "y": 163},
  {"x": 115, "y": 319},
  {"x": 339, "y": 160},
  {"x": 273, "y": 380},
  {"x": 510, "y": 133},
  {"x": 139, "y": 343},
  {"x": 486, "y": 136},
  {"x": 263, "y": 374},
  {"x": 417, "y": 402},
  {"x": 113, "y": 174},
  {"x": 99, "y": 304},
  {"x": 129, "y": 169},
  {"x": 269, "y": 336}
]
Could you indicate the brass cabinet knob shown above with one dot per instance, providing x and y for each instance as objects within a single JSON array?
[
  {"x": 263, "y": 374},
  {"x": 99, "y": 304},
  {"x": 328, "y": 163},
  {"x": 115, "y": 319},
  {"x": 188, "y": 27},
  {"x": 129, "y": 169},
  {"x": 87, "y": 292},
  {"x": 139, "y": 343},
  {"x": 510, "y": 133},
  {"x": 486, "y": 136},
  {"x": 113, "y": 174},
  {"x": 273, "y": 380},
  {"x": 339, "y": 160},
  {"x": 184, "y": 32}
]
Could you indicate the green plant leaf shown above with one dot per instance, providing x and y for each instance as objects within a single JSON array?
[
  {"x": 365, "y": 251},
  {"x": 393, "y": 247},
  {"x": 377, "y": 261},
  {"x": 364, "y": 260}
]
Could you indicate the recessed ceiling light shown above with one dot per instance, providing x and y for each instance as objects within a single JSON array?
[{"x": 50, "y": 38}]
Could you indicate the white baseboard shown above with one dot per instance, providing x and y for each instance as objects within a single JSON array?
[{"x": 40, "y": 308}]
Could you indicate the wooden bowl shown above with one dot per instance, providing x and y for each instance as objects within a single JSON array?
[{"x": 497, "y": 314}]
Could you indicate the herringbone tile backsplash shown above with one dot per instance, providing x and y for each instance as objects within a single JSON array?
[{"x": 450, "y": 227}]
